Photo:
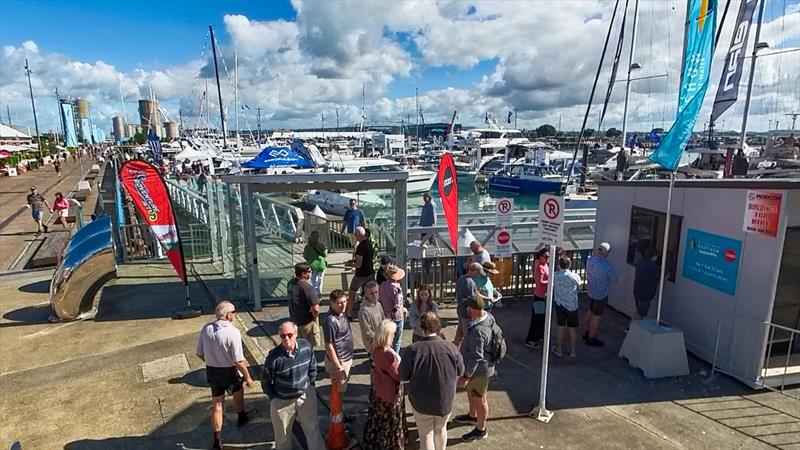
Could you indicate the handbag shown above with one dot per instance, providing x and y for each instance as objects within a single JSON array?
[{"x": 318, "y": 264}]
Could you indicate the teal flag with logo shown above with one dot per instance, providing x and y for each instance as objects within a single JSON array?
[{"x": 694, "y": 82}]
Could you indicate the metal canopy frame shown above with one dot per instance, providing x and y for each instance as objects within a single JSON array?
[{"x": 298, "y": 182}]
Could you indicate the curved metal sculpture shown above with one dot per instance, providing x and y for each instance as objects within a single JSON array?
[{"x": 89, "y": 262}]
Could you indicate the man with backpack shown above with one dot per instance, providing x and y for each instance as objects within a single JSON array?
[{"x": 483, "y": 347}]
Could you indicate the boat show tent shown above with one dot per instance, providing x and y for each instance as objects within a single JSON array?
[
  {"x": 247, "y": 185},
  {"x": 278, "y": 157},
  {"x": 191, "y": 154}
]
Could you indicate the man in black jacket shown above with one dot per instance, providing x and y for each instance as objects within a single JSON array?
[{"x": 431, "y": 366}]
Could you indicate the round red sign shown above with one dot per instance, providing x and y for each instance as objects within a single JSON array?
[
  {"x": 551, "y": 208},
  {"x": 503, "y": 237},
  {"x": 730, "y": 255}
]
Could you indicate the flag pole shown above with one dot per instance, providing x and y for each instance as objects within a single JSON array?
[{"x": 665, "y": 245}]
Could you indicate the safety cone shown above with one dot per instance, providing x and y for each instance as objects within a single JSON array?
[{"x": 336, "y": 440}]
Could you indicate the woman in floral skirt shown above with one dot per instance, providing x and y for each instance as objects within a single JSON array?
[{"x": 386, "y": 428}]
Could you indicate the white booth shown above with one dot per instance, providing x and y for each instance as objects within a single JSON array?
[{"x": 733, "y": 267}]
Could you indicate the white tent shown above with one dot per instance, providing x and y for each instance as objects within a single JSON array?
[
  {"x": 6, "y": 132},
  {"x": 191, "y": 154}
]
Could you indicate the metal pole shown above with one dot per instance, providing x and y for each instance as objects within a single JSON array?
[
  {"x": 628, "y": 80},
  {"x": 743, "y": 137},
  {"x": 33, "y": 106},
  {"x": 219, "y": 88},
  {"x": 665, "y": 245},
  {"x": 258, "y": 111},
  {"x": 542, "y": 414}
]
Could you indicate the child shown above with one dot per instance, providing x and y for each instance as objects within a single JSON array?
[
  {"x": 422, "y": 304},
  {"x": 565, "y": 295}
]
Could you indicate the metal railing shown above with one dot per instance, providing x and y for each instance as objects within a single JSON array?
[
  {"x": 782, "y": 359},
  {"x": 197, "y": 243},
  {"x": 139, "y": 244},
  {"x": 440, "y": 273}
]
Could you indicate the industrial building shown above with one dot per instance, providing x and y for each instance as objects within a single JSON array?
[
  {"x": 120, "y": 131},
  {"x": 171, "y": 130},
  {"x": 149, "y": 114}
]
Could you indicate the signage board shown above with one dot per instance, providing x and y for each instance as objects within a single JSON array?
[
  {"x": 504, "y": 209},
  {"x": 503, "y": 243},
  {"x": 551, "y": 219},
  {"x": 712, "y": 260},
  {"x": 762, "y": 212}
]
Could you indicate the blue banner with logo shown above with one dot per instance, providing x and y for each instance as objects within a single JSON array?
[
  {"x": 694, "y": 82},
  {"x": 712, "y": 260},
  {"x": 68, "y": 119},
  {"x": 86, "y": 131}
]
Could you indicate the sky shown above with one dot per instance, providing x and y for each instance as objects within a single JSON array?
[{"x": 303, "y": 59}]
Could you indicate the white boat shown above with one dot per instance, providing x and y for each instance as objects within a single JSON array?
[
  {"x": 333, "y": 202},
  {"x": 419, "y": 180}
]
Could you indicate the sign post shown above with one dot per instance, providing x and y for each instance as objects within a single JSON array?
[
  {"x": 504, "y": 210},
  {"x": 551, "y": 232}
]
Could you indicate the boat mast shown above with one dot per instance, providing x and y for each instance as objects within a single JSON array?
[
  {"x": 219, "y": 89},
  {"x": 416, "y": 98},
  {"x": 33, "y": 106},
  {"x": 756, "y": 47},
  {"x": 631, "y": 67},
  {"x": 236, "y": 95}
]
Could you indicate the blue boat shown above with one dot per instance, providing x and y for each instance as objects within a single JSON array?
[{"x": 525, "y": 178}]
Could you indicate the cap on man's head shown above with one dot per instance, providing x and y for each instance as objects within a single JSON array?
[
  {"x": 33, "y": 188},
  {"x": 476, "y": 302},
  {"x": 604, "y": 247},
  {"x": 477, "y": 267}
]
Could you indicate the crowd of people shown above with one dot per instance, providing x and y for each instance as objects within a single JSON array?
[{"x": 428, "y": 371}]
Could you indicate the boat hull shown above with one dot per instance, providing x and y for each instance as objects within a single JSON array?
[{"x": 523, "y": 186}]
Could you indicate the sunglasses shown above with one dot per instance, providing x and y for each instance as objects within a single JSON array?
[{"x": 286, "y": 335}]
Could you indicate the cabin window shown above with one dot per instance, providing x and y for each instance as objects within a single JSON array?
[{"x": 647, "y": 224}]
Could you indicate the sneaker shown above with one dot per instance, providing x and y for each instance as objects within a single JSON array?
[
  {"x": 557, "y": 352},
  {"x": 531, "y": 344},
  {"x": 475, "y": 434},
  {"x": 537, "y": 344},
  {"x": 217, "y": 445},
  {"x": 594, "y": 342},
  {"x": 45, "y": 228},
  {"x": 244, "y": 417},
  {"x": 465, "y": 419},
  {"x": 573, "y": 354}
]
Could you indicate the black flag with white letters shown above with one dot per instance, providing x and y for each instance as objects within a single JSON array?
[{"x": 728, "y": 89}]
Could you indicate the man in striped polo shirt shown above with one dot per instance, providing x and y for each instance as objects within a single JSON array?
[{"x": 288, "y": 381}]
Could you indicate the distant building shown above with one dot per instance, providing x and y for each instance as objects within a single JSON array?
[{"x": 149, "y": 115}]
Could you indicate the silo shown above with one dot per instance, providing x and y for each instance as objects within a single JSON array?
[
  {"x": 148, "y": 114},
  {"x": 83, "y": 108},
  {"x": 171, "y": 130},
  {"x": 119, "y": 128}
]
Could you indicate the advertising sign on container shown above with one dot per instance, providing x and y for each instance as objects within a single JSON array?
[
  {"x": 712, "y": 260},
  {"x": 503, "y": 243},
  {"x": 762, "y": 212},
  {"x": 504, "y": 209},
  {"x": 551, "y": 219}
]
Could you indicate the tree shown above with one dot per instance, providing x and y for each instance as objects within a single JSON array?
[
  {"x": 613, "y": 132},
  {"x": 546, "y": 130},
  {"x": 588, "y": 132},
  {"x": 139, "y": 138}
]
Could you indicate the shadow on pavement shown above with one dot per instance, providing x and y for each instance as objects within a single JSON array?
[
  {"x": 39, "y": 287},
  {"x": 29, "y": 315}
]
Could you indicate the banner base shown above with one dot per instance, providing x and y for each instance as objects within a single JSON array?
[{"x": 188, "y": 312}]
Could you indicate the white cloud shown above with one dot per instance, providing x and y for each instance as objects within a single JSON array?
[{"x": 545, "y": 56}]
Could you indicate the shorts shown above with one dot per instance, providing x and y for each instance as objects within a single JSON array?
[
  {"x": 222, "y": 379},
  {"x": 477, "y": 386},
  {"x": 353, "y": 240},
  {"x": 643, "y": 306},
  {"x": 359, "y": 281},
  {"x": 63, "y": 213},
  {"x": 311, "y": 332},
  {"x": 37, "y": 215},
  {"x": 331, "y": 369},
  {"x": 565, "y": 317},
  {"x": 597, "y": 306}
]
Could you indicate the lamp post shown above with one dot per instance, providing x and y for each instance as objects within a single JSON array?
[{"x": 33, "y": 106}]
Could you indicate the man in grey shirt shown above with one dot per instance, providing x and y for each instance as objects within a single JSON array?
[
  {"x": 465, "y": 290},
  {"x": 220, "y": 346},
  {"x": 338, "y": 341}
]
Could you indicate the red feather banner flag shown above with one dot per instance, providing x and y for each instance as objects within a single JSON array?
[
  {"x": 448, "y": 192},
  {"x": 149, "y": 193}
]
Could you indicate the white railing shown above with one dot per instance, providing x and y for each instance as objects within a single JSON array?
[{"x": 781, "y": 360}]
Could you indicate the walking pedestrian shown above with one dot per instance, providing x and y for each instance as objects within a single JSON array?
[
  {"x": 422, "y": 303},
  {"x": 391, "y": 298},
  {"x": 566, "y": 284},
  {"x": 353, "y": 218},
  {"x": 316, "y": 254},
  {"x": 465, "y": 290},
  {"x": 290, "y": 372},
  {"x": 220, "y": 347},
  {"x": 478, "y": 368},
  {"x": 540, "y": 277},
  {"x": 370, "y": 316},
  {"x": 60, "y": 209},
  {"x": 37, "y": 202},
  {"x": 645, "y": 280},
  {"x": 600, "y": 274},
  {"x": 304, "y": 305},
  {"x": 57, "y": 166},
  {"x": 338, "y": 341},
  {"x": 385, "y": 428},
  {"x": 363, "y": 262},
  {"x": 431, "y": 367}
]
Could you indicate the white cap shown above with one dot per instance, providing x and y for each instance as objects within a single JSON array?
[{"x": 604, "y": 247}]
